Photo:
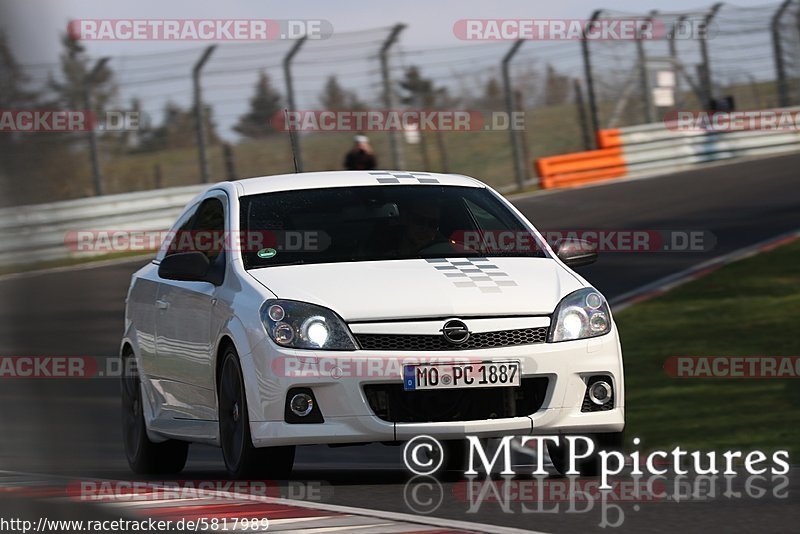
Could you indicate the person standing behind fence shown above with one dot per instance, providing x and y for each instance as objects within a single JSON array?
[{"x": 361, "y": 157}]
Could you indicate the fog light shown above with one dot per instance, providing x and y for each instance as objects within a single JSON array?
[
  {"x": 301, "y": 404},
  {"x": 600, "y": 392}
]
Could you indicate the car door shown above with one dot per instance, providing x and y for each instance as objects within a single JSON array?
[
  {"x": 142, "y": 298},
  {"x": 184, "y": 338}
]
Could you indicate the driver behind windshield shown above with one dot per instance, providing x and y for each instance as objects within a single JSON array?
[{"x": 420, "y": 227}]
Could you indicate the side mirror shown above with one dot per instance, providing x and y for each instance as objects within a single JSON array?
[
  {"x": 576, "y": 252},
  {"x": 185, "y": 266}
]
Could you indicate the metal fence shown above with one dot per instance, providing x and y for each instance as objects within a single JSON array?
[{"x": 724, "y": 55}]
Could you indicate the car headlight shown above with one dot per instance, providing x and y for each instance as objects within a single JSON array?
[
  {"x": 581, "y": 314},
  {"x": 300, "y": 325}
]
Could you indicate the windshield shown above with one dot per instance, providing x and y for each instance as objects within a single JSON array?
[{"x": 348, "y": 224}]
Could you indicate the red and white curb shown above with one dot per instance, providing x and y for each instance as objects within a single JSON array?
[
  {"x": 284, "y": 515},
  {"x": 663, "y": 285}
]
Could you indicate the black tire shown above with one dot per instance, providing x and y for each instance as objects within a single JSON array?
[
  {"x": 456, "y": 454},
  {"x": 242, "y": 459},
  {"x": 589, "y": 467},
  {"x": 144, "y": 456}
]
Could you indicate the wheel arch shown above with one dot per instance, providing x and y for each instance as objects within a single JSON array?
[{"x": 234, "y": 334}]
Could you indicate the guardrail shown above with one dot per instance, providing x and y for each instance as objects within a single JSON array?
[
  {"x": 655, "y": 148},
  {"x": 41, "y": 232}
]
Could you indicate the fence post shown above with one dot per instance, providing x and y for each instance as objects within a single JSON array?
[
  {"x": 644, "y": 79},
  {"x": 443, "y": 156},
  {"x": 516, "y": 150},
  {"x": 200, "y": 114},
  {"x": 673, "y": 55},
  {"x": 705, "y": 72},
  {"x": 287, "y": 75},
  {"x": 519, "y": 102},
  {"x": 158, "y": 180},
  {"x": 230, "y": 162},
  {"x": 780, "y": 65},
  {"x": 388, "y": 94},
  {"x": 676, "y": 63},
  {"x": 586, "y": 137},
  {"x": 88, "y": 82},
  {"x": 587, "y": 68}
]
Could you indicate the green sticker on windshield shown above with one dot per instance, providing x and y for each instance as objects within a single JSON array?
[{"x": 267, "y": 253}]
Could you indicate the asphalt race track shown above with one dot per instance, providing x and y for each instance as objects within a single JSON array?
[{"x": 71, "y": 427}]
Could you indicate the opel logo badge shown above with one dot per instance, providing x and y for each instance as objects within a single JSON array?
[{"x": 455, "y": 331}]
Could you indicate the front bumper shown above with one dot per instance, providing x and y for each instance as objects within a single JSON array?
[{"x": 337, "y": 379}]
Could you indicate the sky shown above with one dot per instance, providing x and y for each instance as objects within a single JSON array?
[{"x": 34, "y": 24}]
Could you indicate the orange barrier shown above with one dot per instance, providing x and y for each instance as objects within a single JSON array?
[
  {"x": 580, "y": 168},
  {"x": 609, "y": 138}
]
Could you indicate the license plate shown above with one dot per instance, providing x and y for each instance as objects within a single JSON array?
[{"x": 461, "y": 375}]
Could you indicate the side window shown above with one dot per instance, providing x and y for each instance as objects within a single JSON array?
[
  {"x": 181, "y": 229},
  {"x": 208, "y": 228}
]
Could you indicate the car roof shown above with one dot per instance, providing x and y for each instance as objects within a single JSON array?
[{"x": 318, "y": 180}]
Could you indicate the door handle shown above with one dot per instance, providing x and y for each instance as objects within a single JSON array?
[{"x": 162, "y": 304}]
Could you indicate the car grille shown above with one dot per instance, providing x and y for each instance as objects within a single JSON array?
[
  {"x": 480, "y": 340},
  {"x": 391, "y": 403}
]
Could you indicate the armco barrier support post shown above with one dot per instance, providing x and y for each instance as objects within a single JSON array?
[
  {"x": 200, "y": 114},
  {"x": 705, "y": 69},
  {"x": 388, "y": 94},
  {"x": 88, "y": 83},
  {"x": 516, "y": 149},
  {"x": 287, "y": 76},
  {"x": 587, "y": 69},
  {"x": 777, "y": 49}
]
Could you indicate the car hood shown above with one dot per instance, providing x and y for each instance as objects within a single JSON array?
[{"x": 399, "y": 289}]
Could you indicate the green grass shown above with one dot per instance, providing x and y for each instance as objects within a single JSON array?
[{"x": 749, "y": 308}]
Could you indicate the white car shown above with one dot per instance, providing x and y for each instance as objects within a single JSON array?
[{"x": 361, "y": 306}]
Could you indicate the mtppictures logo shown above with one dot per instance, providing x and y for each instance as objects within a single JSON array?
[{"x": 424, "y": 454}]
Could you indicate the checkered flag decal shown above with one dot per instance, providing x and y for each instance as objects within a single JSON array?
[
  {"x": 385, "y": 177},
  {"x": 473, "y": 272}
]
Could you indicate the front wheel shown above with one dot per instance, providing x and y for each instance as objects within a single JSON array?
[
  {"x": 144, "y": 456},
  {"x": 242, "y": 459},
  {"x": 590, "y": 466}
]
